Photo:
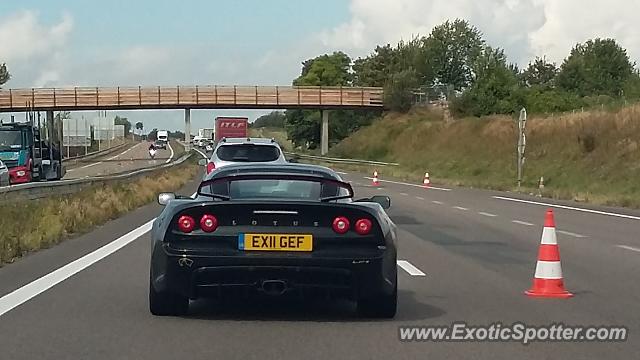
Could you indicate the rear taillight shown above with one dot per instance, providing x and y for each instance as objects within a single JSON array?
[
  {"x": 208, "y": 223},
  {"x": 363, "y": 226},
  {"x": 210, "y": 167},
  {"x": 340, "y": 225},
  {"x": 186, "y": 224}
]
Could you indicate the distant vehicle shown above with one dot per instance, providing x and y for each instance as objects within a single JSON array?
[
  {"x": 245, "y": 150},
  {"x": 278, "y": 231},
  {"x": 162, "y": 138},
  {"x": 206, "y": 133},
  {"x": 28, "y": 155},
  {"x": 231, "y": 127},
  {"x": 4, "y": 174}
]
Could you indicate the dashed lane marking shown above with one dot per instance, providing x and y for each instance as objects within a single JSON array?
[
  {"x": 419, "y": 198},
  {"x": 404, "y": 194},
  {"x": 486, "y": 214},
  {"x": 460, "y": 208},
  {"x": 521, "y": 222},
  {"x": 437, "y": 202},
  {"x": 409, "y": 268},
  {"x": 628, "y": 248},
  {"x": 571, "y": 234}
]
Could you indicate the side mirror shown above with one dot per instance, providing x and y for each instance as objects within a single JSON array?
[
  {"x": 164, "y": 198},
  {"x": 383, "y": 200},
  {"x": 202, "y": 162}
]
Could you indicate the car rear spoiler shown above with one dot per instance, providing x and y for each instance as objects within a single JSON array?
[{"x": 277, "y": 176}]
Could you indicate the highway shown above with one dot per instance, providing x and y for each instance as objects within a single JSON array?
[
  {"x": 467, "y": 255},
  {"x": 131, "y": 158}
]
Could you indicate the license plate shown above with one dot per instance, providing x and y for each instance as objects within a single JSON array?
[{"x": 275, "y": 242}]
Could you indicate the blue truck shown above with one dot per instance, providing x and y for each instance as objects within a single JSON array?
[{"x": 28, "y": 155}]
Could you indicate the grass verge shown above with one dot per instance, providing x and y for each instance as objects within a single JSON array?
[
  {"x": 592, "y": 156},
  {"x": 27, "y": 226}
]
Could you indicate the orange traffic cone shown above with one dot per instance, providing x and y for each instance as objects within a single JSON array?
[
  {"x": 375, "y": 181},
  {"x": 548, "y": 281},
  {"x": 426, "y": 182}
]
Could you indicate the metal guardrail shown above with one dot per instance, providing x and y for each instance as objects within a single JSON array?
[
  {"x": 31, "y": 191},
  {"x": 341, "y": 160}
]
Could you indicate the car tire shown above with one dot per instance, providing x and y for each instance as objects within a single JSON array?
[
  {"x": 163, "y": 303},
  {"x": 382, "y": 306}
]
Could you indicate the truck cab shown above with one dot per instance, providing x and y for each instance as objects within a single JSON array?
[
  {"x": 162, "y": 138},
  {"x": 27, "y": 156}
]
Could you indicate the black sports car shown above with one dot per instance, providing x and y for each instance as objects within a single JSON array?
[{"x": 273, "y": 230}]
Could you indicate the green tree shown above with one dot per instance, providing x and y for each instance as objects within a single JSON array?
[
  {"x": 139, "y": 127},
  {"x": 539, "y": 72},
  {"x": 450, "y": 53},
  {"x": 326, "y": 70},
  {"x": 494, "y": 89},
  {"x": 4, "y": 74},
  {"x": 275, "y": 119},
  {"x": 597, "y": 67},
  {"x": 123, "y": 121},
  {"x": 398, "y": 90}
]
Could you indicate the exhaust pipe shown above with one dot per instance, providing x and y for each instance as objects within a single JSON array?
[{"x": 274, "y": 287}]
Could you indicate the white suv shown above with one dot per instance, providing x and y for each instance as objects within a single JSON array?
[{"x": 245, "y": 150}]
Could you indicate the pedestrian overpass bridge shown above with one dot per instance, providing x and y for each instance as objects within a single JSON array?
[
  {"x": 190, "y": 97},
  {"x": 194, "y": 97}
]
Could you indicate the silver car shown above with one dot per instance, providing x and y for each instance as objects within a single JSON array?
[
  {"x": 4, "y": 174},
  {"x": 245, "y": 150}
]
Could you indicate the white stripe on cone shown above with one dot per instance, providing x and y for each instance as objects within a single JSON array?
[
  {"x": 549, "y": 236},
  {"x": 548, "y": 270}
]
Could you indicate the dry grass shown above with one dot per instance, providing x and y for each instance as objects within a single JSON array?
[
  {"x": 31, "y": 225},
  {"x": 591, "y": 156}
]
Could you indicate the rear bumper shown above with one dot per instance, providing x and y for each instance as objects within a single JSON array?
[{"x": 215, "y": 276}]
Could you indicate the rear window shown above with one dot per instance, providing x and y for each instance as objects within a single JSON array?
[
  {"x": 248, "y": 153},
  {"x": 275, "y": 189}
]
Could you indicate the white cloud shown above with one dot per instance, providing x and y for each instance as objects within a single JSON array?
[
  {"x": 32, "y": 50},
  {"x": 524, "y": 28}
]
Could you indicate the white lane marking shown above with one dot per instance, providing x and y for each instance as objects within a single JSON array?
[
  {"x": 569, "y": 208},
  {"x": 90, "y": 165},
  {"x": 408, "y": 184},
  {"x": 571, "y": 234},
  {"x": 419, "y": 198},
  {"x": 122, "y": 153},
  {"x": 358, "y": 184},
  {"x": 170, "y": 156},
  {"x": 437, "y": 202},
  {"x": 201, "y": 153},
  {"x": 341, "y": 172},
  {"x": 409, "y": 268},
  {"x": 460, "y": 208},
  {"x": 521, "y": 222},
  {"x": 628, "y": 248},
  {"x": 404, "y": 194},
  {"x": 44, "y": 283},
  {"x": 486, "y": 214},
  {"x": 40, "y": 285}
]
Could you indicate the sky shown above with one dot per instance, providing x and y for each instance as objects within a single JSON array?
[{"x": 260, "y": 42}]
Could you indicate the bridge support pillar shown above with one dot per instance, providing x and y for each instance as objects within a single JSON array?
[
  {"x": 187, "y": 129},
  {"x": 324, "y": 135}
]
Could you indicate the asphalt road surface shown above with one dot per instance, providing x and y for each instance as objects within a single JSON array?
[
  {"x": 131, "y": 158},
  {"x": 467, "y": 257}
]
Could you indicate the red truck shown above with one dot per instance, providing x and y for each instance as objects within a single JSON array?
[{"x": 231, "y": 127}]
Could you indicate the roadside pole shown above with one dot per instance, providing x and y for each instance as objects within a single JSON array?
[{"x": 522, "y": 141}]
